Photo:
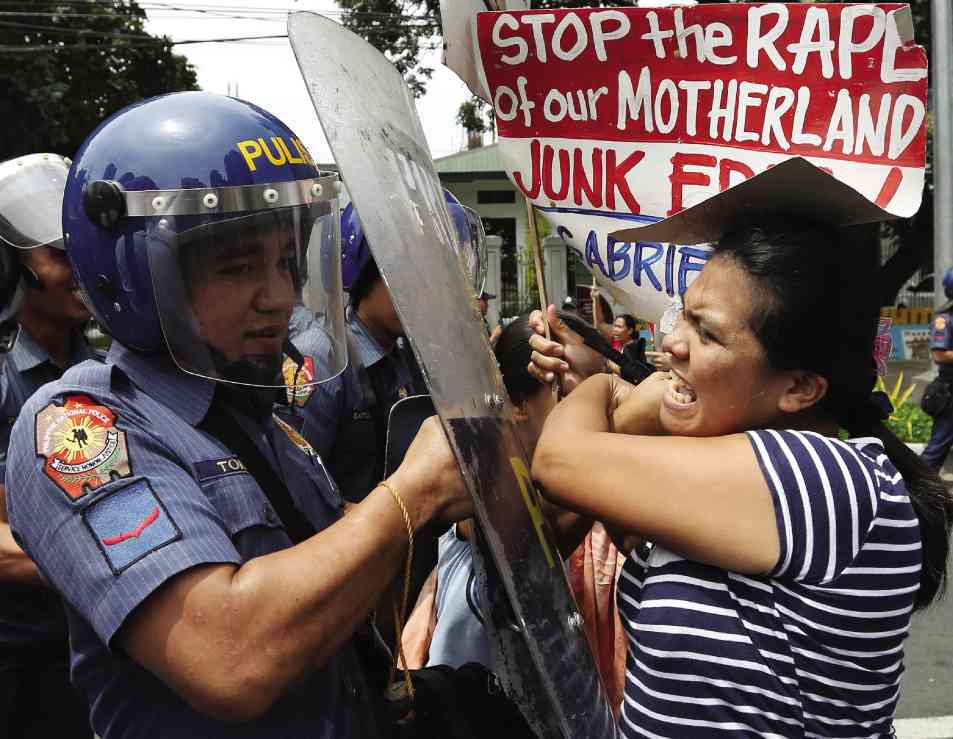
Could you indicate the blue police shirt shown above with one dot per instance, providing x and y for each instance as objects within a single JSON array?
[
  {"x": 941, "y": 337},
  {"x": 336, "y": 416},
  {"x": 113, "y": 490},
  {"x": 30, "y": 616}
]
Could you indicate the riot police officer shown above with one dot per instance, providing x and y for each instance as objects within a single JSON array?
[
  {"x": 209, "y": 572},
  {"x": 40, "y": 336},
  {"x": 346, "y": 420},
  {"x": 941, "y": 344}
]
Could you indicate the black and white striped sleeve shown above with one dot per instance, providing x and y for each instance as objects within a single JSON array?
[{"x": 825, "y": 501}]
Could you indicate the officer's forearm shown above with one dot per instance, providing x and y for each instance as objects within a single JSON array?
[
  {"x": 231, "y": 640},
  {"x": 943, "y": 356}
]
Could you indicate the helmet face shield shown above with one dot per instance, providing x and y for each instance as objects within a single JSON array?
[
  {"x": 475, "y": 256},
  {"x": 31, "y": 201},
  {"x": 226, "y": 285}
]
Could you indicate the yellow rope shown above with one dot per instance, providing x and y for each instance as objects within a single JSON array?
[{"x": 399, "y": 612}]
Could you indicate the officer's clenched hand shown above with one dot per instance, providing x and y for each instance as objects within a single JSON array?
[{"x": 429, "y": 478}]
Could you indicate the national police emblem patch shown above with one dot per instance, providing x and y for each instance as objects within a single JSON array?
[
  {"x": 81, "y": 444},
  {"x": 299, "y": 379}
]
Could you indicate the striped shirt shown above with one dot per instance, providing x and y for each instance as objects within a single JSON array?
[{"x": 814, "y": 648}]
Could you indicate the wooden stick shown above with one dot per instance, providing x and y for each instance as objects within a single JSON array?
[
  {"x": 540, "y": 278},
  {"x": 595, "y": 286}
]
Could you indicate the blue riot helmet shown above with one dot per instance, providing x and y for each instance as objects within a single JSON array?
[
  {"x": 468, "y": 228},
  {"x": 31, "y": 206},
  {"x": 194, "y": 222},
  {"x": 948, "y": 283}
]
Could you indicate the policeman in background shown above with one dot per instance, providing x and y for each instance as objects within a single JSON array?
[
  {"x": 483, "y": 302},
  {"x": 40, "y": 336},
  {"x": 941, "y": 343},
  {"x": 346, "y": 420},
  {"x": 212, "y": 581}
]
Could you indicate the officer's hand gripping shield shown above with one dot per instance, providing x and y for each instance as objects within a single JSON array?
[
  {"x": 228, "y": 265},
  {"x": 31, "y": 201}
]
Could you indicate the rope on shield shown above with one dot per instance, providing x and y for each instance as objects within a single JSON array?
[{"x": 399, "y": 611}]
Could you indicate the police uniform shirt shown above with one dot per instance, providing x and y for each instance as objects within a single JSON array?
[
  {"x": 30, "y": 616},
  {"x": 337, "y": 416},
  {"x": 941, "y": 338},
  {"x": 113, "y": 490}
]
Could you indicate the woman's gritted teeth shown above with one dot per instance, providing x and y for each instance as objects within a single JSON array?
[{"x": 680, "y": 391}]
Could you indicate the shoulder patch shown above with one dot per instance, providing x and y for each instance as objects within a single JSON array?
[
  {"x": 939, "y": 323},
  {"x": 299, "y": 379},
  {"x": 297, "y": 439},
  {"x": 81, "y": 444},
  {"x": 129, "y": 524}
]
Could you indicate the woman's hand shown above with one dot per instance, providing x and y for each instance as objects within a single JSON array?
[
  {"x": 635, "y": 409},
  {"x": 560, "y": 356},
  {"x": 429, "y": 479}
]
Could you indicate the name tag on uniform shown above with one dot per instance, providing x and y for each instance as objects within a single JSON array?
[
  {"x": 361, "y": 416},
  {"x": 213, "y": 468}
]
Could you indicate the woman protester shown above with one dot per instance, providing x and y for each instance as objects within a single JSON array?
[
  {"x": 787, "y": 560},
  {"x": 624, "y": 331}
]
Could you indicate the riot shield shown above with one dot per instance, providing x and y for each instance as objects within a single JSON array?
[{"x": 371, "y": 124}]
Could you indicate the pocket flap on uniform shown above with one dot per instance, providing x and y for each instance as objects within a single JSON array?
[{"x": 240, "y": 502}]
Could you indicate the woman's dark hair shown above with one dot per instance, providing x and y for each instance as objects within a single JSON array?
[
  {"x": 630, "y": 322},
  {"x": 364, "y": 282},
  {"x": 816, "y": 311},
  {"x": 513, "y": 353}
]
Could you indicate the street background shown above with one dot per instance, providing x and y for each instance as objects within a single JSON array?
[{"x": 928, "y": 685}]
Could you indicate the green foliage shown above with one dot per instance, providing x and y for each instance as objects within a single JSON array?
[
  {"x": 470, "y": 115},
  {"x": 908, "y": 421},
  {"x": 66, "y": 67},
  {"x": 910, "y": 424},
  {"x": 400, "y": 30}
]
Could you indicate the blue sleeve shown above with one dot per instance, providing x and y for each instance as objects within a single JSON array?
[
  {"x": 941, "y": 332},
  {"x": 106, "y": 528},
  {"x": 825, "y": 498},
  {"x": 9, "y": 411},
  {"x": 6, "y": 426}
]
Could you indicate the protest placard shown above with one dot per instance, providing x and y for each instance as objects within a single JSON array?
[{"x": 615, "y": 117}]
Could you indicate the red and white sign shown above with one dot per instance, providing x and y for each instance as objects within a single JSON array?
[{"x": 612, "y": 117}]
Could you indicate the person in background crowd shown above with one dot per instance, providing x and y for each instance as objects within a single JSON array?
[
  {"x": 941, "y": 345},
  {"x": 40, "y": 337},
  {"x": 212, "y": 580},
  {"x": 483, "y": 302},
  {"x": 786, "y": 562},
  {"x": 624, "y": 331}
]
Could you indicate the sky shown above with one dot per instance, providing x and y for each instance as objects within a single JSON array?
[{"x": 265, "y": 72}]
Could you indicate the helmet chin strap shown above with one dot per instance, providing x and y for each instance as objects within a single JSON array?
[{"x": 261, "y": 371}]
